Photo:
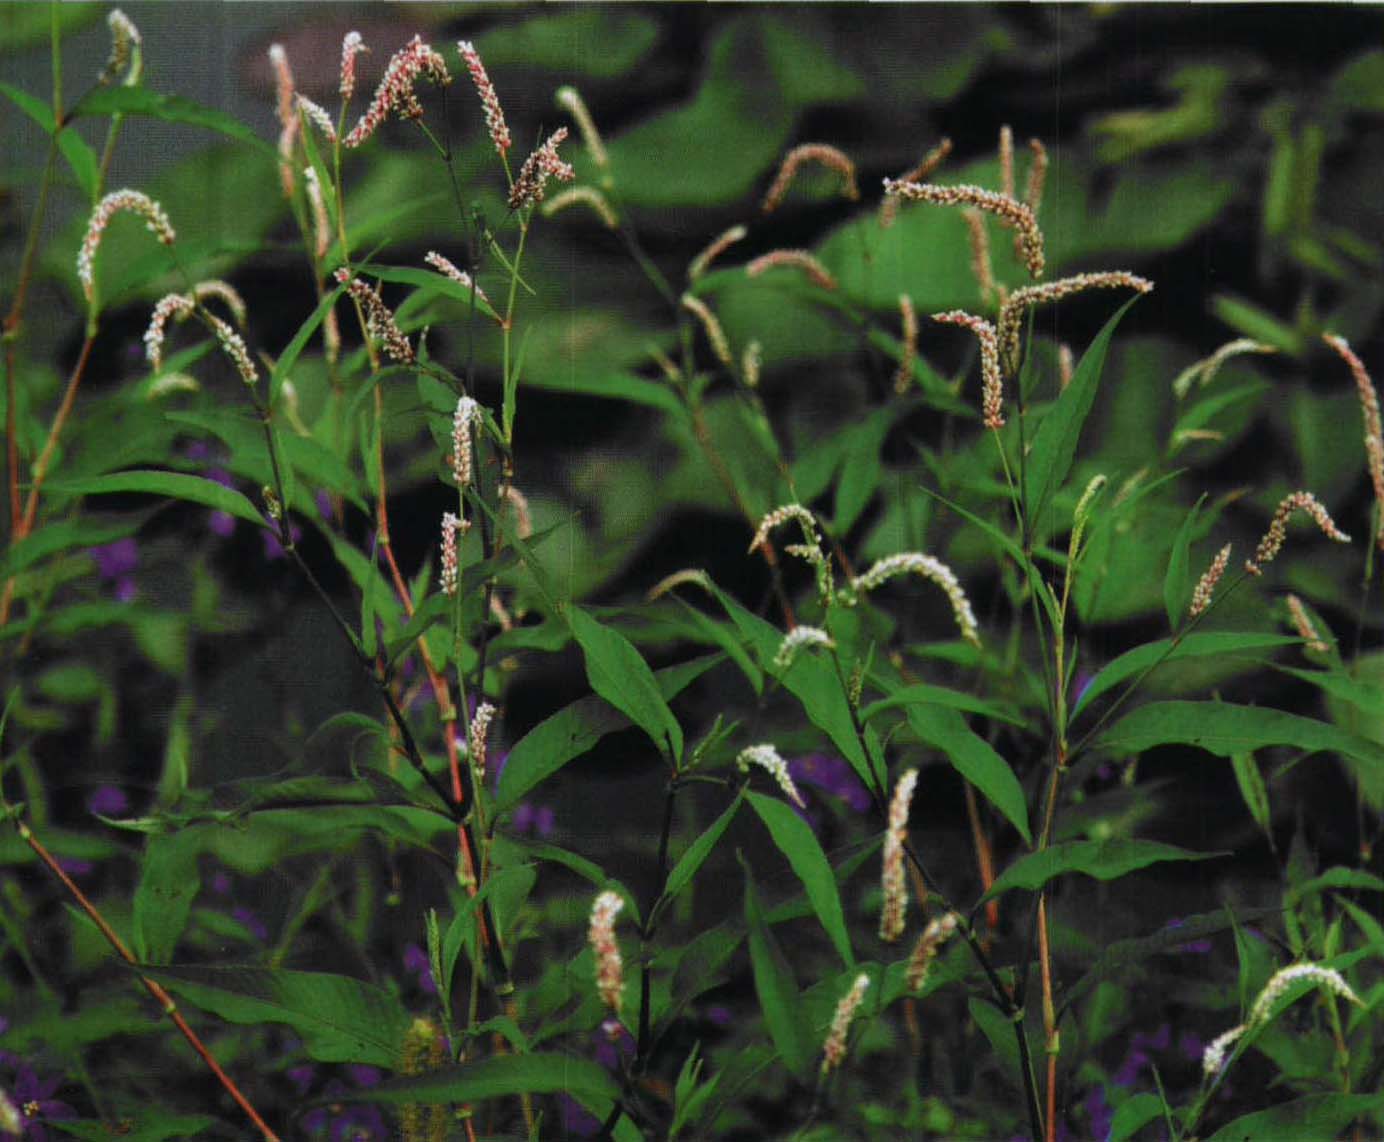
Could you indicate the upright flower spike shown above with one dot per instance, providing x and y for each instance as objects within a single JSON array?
[
  {"x": 929, "y": 567},
  {"x": 1009, "y": 211},
  {"x": 718, "y": 246},
  {"x": 288, "y": 117},
  {"x": 768, "y": 758},
  {"x": 834, "y": 1049},
  {"x": 570, "y": 100},
  {"x": 1013, "y": 310},
  {"x": 538, "y": 168},
  {"x": 893, "y": 881},
  {"x": 1273, "y": 539},
  {"x": 1206, "y": 585},
  {"x": 978, "y": 238},
  {"x": 715, "y": 334},
  {"x": 1037, "y": 175},
  {"x": 395, "y": 95},
  {"x": 464, "y": 419},
  {"x": 125, "y": 50},
  {"x": 1302, "y": 623},
  {"x": 1006, "y": 150},
  {"x": 490, "y": 101},
  {"x": 453, "y": 527},
  {"x": 132, "y": 200},
  {"x": 1369, "y": 411},
  {"x": 908, "y": 356},
  {"x": 939, "y": 930},
  {"x": 476, "y": 734},
  {"x": 379, "y": 321},
  {"x": 822, "y": 154},
  {"x": 801, "y": 260},
  {"x": 523, "y": 521},
  {"x": 601, "y": 936},
  {"x": 991, "y": 379},
  {"x": 317, "y": 116},
  {"x": 321, "y": 224},
  {"x": 351, "y": 46}
]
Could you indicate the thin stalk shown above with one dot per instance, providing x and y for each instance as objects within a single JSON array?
[{"x": 160, "y": 996}]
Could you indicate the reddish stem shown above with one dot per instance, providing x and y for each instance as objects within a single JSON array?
[{"x": 160, "y": 995}]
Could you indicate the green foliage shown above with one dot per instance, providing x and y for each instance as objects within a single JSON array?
[{"x": 262, "y": 784}]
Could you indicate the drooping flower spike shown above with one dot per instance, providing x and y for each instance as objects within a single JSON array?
[
  {"x": 769, "y": 759},
  {"x": 801, "y": 260},
  {"x": 544, "y": 164},
  {"x": 1203, "y": 372},
  {"x": 1302, "y": 623},
  {"x": 173, "y": 305},
  {"x": 379, "y": 321},
  {"x": 1012, "y": 313},
  {"x": 490, "y": 101},
  {"x": 132, "y": 200},
  {"x": 125, "y": 50},
  {"x": 718, "y": 246},
  {"x": 929, "y": 567},
  {"x": 1369, "y": 410},
  {"x": 395, "y": 94},
  {"x": 796, "y": 640},
  {"x": 893, "y": 881},
  {"x": 317, "y": 116},
  {"x": 1273, "y": 539},
  {"x": 715, "y": 334},
  {"x": 834, "y": 1048},
  {"x": 991, "y": 380},
  {"x": 1008, "y": 210},
  {"x": 586, "y": 196},
  {"x": 823, "y": 154},
  {"x": 569, "y": 98},
  {"x": 889, "y": 209},
  {"x": 461, "y": 277}
]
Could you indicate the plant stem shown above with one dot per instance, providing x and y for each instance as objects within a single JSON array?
[{"x": 154, "y": 988}]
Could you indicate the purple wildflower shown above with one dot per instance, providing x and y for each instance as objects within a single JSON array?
[
  {"x": 116, "y": 563},
  {"x": 1191, "y": 1046},
  {"x": 34, "y": 1097},
  {"x": 255, "y": 925},
  {"x": 273, "y": 549},
  {"x": 416, "y": 961},
  {"x": 221, "y": 523},
  {"x": 1100, "y": 1112},
  {"x": 833, "y": 776},
  {"x": 538, "y": 819},
  {"x": 75, "y": 866},
  {"x": 108, "y": 801}
]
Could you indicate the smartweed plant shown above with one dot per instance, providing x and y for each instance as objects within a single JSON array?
[{"x": 860, "y": 808}]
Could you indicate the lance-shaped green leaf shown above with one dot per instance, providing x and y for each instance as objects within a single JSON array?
[
  {"x": 1105, "y": 860},
  {"x": 79, "y": 155},
  {"x": 147, "y": 1124},
  {"x": 1226, "y": 729},
  {"x": 174, "y": 485},
  {"x": 776, "y": 988},
  {"x": 340, "y": 1019},
  {"x": 1177, "y": 591},
  {"x": 796, "y": 840},
  {"x": 283, "y": 367},
  {"x": 1252, "y": 789},
  {"x": 168, "y": 882},
  {"x": 1054, "y": 444},
  {"x": 1312, "y": 1116},
  {"x": 619, "y": 674},
  {"x": 574, "y": 729},
  {"x": 974, "y": 758},
  {"x": 169, "y": 108},
  {"x": 698, "y": 851},
  {"x": 1198, "y": 644}
]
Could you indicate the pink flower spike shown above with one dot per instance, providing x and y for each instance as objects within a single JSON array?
[
  {"x": 395, "y": 93},
  {"x": 177, "y": 305},
  {"x": 601, "y": 936},
  {"x": 351, "y": 47},
  {"x": 379, "y": 321},
  {"x": 117, "y": 200},
  {"x": 538, "y": 168},
  {"x": 490, "y": 102}
]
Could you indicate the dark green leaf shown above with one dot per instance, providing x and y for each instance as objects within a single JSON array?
[
  {"x": 1177, "y": 591},
  {"x": 776, "y": 988},
  {"x": 572, "y": 731},
  {"x": 431, "y": 282},
  {"x": 1252, "y": 789},
  {"x": 698, "y": 851},
  {"x": 1226, "y": 729},
  {"x": 80, "y": 157},
  {"x": 796, "y": 840},
  {"x": 340, "y": 1019},
  {"x": 168, "y": 883},
  {"x": 1198, "y": 644},
  {"x": 1133, "y": 1115},
  {"x": 1312, "y": 1116},
  {"x": 598, "y": 42},
  {"x": 1054, "y": 444},
  {"x": 1104, "y": 860},
  {"x": 619, "y": 674},
  {"x": 496, "y": 1077},
  {"x": 174, "y": 485},
  {"x": 974, "y": 758},
  {"x": 169, "y": 108},
  {"x": 927, "y": 694},
  {"x": 149, "y": 1124}
]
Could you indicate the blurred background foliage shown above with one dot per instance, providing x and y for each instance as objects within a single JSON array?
[{"x": 1232, "y": 154}]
